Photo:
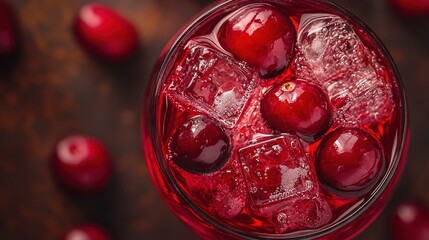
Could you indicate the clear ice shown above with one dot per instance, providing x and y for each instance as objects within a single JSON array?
[
  {"x": 330, "y": 53},
  {"x": 213, "y": 82},
  {"x": 281, "y": 184},
  {"x": 222, "y": 192}
]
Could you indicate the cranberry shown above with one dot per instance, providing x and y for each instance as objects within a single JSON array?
[
  {"x": 105, "y": 33},
  {"x": 410, "y": 220},
  {"x": 349, "y": 162},
  {"x": 411, "y": 8},
  {"x": 82, "y": 164},
  {"x": 297, "y": 107},
  {"x": 261, "y": 36},
  {"x": 200, "y": 145},
  {"x": 9, "y": 36},
  {"x": 86, "y": 232}
]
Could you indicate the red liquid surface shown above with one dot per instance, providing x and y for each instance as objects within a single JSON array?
[{"x": 269, "y": 184}]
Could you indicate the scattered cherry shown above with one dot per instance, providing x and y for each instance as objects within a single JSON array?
[
  {"x": 260, "y": 35},
  {"x": 86, "y": 232},
  {"x": 105, "y": 34},
  {"x": 410, "y": 220},
  {"x": 411, "y": 8},
  {"x": 9, "y": 35},
  {"x": 82, "y": 164},
  {"x": 297, "y": 107},
  {"x": 200, "y": 145},
  {"x": 349, "y": 162}
]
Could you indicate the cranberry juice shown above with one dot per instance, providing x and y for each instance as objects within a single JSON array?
[{"x": 275, "y": 119}]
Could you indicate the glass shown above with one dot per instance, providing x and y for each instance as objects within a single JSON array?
[{"x": 195, "y": 77}]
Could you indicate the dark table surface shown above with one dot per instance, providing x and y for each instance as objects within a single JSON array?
[{"x": 54, "y": 89}]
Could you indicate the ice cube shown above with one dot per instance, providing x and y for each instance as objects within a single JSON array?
[
  {"x": 303, "y": 214},
  {"x": 251, "y": 126},
  {"x": 332, "y": 54},
  {"x": 327, "y": 46},
  {"x": 213, "y": 82},
  {"x": 276, "y": 170},
  {"x": 281, "y": 184},
  {"x": 360, "y": 98},
  {"x": 221, "y": 194},
  {"x": 230, "y": 196}
]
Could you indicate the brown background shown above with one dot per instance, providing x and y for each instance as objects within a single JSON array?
[{"x": 54, "y": 89}]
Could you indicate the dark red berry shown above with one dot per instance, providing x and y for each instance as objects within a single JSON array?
[
  {"x": 86, "y": 232},
  {"x": 82, "y": 164},
  {"x": 410, "y": 220},
  {"x": 349, "y": 162},
  {"x": 9, "y": 34},
  {"x": 200, "y": 145},
  {"x": 297, "y": 107},
  {"x": 411, "y": 8},
  {"x": 105, "y": 34},
  {"x": 260, "y": 35}
]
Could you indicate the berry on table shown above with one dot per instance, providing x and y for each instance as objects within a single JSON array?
[
  {"x": 411, "y": 8},
  {"x": 105, "y": 34},
  {"x": 9, "y": 34},
  {"x": 82, "y": 164},
  {"x": 410, "y": 220},
  {"x": 86, "y": 232}
]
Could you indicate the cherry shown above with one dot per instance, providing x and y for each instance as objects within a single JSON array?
[
  {"x": 297, "y": 107},
  {"x": 410, "y": 220},
  {"x": 349, "y": 162},
  {"x": 105, "y": 34},
  {"x": 9, "y": 35},
  {"x": 86, "y": 232},
  {"x": 82, "y": 164},
  {"x": 411, "y": 8},
  {"x": 200, "y": 145},
  {"x": 261, "y": 36}
]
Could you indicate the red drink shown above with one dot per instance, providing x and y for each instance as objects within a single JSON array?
[{"x": 276, "y": 119}]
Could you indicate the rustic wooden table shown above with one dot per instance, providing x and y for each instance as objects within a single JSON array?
[{"x": 54, "y": 89}]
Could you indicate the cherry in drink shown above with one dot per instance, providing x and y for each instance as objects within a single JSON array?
[{"x": 275, "y": 119}]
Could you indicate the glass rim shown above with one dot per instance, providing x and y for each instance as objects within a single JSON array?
[{"x": 159, "y": 77}]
